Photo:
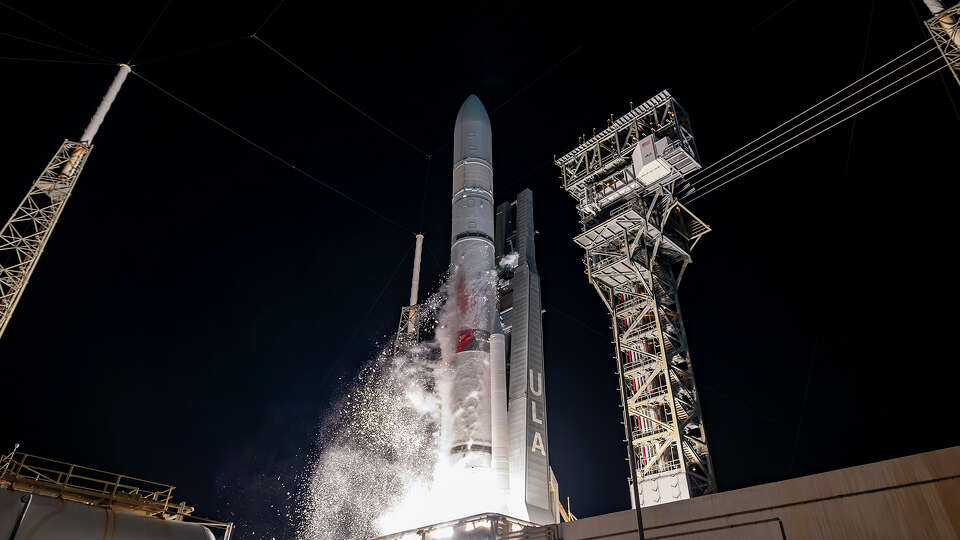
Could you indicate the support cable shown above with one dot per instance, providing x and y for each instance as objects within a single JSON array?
[
  {"x": 268, "y": 152},
  {"x": 54, "y": 47},
  {"x": 365, "y": 319},
  {"x": 53, "y": 61},
  {"x": 863, "y": 67},
  {"x": 341, "y": 98},
  {"x": 103, "y": 56},
  {"x": 844, "y": 119},
  {"x": 191, "y": 50},
  {"x": 269, "y": 16},
  {"x": 773, "y": 15},
  {"x": 721, "y": 177},
  {"x": 423, "y": 197},
  {"x": 542, "y": 75},
  {"x": 443, "y": 267},
  {"x": 700, "y": 176},
  {"x": 807, "y": 130},
  {"x": 149, "y": 31}
]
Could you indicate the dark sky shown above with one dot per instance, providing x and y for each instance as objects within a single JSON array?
[{"x": 200, "y": 305}]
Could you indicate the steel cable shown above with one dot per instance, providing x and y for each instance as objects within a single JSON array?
[
  {"x": 341, "y": 98},
  {"x": 53, "y": 61},
  {"x": 365, "y": 319},
  {"x": 703, "y": 174},
  {"x": 269, "y": 152},
  {"x": 103, "y": 56},
  {"x": 269, "y": 16},
  {"x": 191, "y": 50},
  {"x": 149, "y": 31},
  {"x": 54, "y": 47},
  {"x": 844, "y": 119}
]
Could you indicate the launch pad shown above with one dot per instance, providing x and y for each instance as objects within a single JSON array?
[{"x": 479, "y": 527}]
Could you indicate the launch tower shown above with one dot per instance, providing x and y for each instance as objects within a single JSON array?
[{"x": 638, "y": 237}]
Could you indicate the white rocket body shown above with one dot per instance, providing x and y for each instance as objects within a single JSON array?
[{"x": 479, "y": 437}]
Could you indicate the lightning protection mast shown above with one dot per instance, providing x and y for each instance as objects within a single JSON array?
[
  {"x": 408, "y": 332},
  {"x": 627, "y": 180},
  {"x": 26, "y": 233}
]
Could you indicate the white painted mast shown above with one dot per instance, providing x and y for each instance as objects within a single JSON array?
[
  {"x": 105, "y": 103},
  {"x": 414, "y": 286}
]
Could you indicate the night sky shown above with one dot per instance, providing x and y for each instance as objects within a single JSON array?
[{"x": 200, "y": 305}]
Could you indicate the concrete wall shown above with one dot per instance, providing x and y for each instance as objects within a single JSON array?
[{"x": 912, "y": 497}]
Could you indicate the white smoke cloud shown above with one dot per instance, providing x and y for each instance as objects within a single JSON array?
[
  {"x": 510, "y": 260},
  {"x": 384, "y": 464}
]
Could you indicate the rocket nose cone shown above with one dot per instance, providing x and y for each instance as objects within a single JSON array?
[{"x": 472, "y": 136}]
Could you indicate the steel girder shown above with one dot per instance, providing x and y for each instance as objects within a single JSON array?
[
  {"x": 25, "y": 235},
  {"x": 637, "y": 240},
  {"x": 637, "y": 282},
  {"x": 408, "y": 331}
]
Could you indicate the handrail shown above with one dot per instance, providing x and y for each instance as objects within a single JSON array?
[{"x": 86, "y": 485}]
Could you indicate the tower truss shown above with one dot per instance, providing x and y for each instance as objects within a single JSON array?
[
  {"x": 945, "y": 29},
  {"x": 637, "y": 239},
  {"x": 25, "y": 235}
]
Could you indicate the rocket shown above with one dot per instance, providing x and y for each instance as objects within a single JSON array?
[{"x": 479, "y": 394}]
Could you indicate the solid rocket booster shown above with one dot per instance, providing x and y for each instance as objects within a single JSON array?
[{"x": 475, "y": 440}]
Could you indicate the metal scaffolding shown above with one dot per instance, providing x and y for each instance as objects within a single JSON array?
[
  {"x": 945, "y": 29},
  {"x": 638, "y": 238},
  {"x": 25, "y": 235}
]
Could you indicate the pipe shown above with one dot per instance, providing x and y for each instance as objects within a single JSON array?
[
  {"x": 101, "y": 113},
  {"x": 415, "y": 284},
  {"x": 415, "y": 287},
  {"x": 935, "y": 6},
  {"x": 498, "y": 415}
]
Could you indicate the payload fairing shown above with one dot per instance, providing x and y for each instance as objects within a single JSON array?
[{"x": 483, "y": 436}]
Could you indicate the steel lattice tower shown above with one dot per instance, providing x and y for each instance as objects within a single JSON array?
[
  {"x": 25, "y": 235},
  {"x": 638, "y": 237}
]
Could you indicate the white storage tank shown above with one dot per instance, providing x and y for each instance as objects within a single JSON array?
[
  {"x": 48, "y": 499},
  {"x": 24, "y": 516}
]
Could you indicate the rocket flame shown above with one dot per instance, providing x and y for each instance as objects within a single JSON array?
[{"x": 384, "y": 464}]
